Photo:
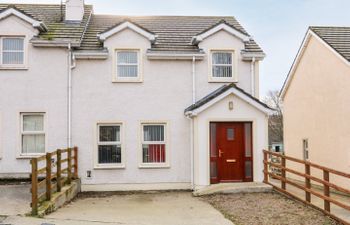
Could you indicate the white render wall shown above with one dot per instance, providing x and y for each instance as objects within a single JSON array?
[
  {"x": 39, "y": 88},
  {"x": 242, "y": 112},
  {"x": 163, "y": 95}
]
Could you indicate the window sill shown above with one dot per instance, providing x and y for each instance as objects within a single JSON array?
[
  {"x": 154, "y": 166},
  {"x": 13, "y": 68},
  {"x": 127, "y": 81},
  {"x": 31, "y": 156},
  {"x": 223, "y": 81},
  {"x": 109, "y": 167}
]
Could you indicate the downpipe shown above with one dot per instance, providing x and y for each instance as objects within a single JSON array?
[{"x": 71, "y": 66}]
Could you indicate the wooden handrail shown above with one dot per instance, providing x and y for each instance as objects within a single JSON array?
[
  {"x": 343, "y": 174},
  {"x": 48, "y": 182},
  {"x": 306, "y": 174}
]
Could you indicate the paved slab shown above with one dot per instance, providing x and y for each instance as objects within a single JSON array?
[
  {"x": 231, "y": 188},
  {"x": 14, "y": 199},
  {"x": 171, "y": 208}
]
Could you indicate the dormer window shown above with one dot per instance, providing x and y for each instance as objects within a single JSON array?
[
  {"x": 12, "y": 52},
  {"x": 127, "y": 66},
  {"x": 222, "y": 66}
]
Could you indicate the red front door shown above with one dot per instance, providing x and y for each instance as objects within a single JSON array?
[{"x": 229, "y": 144}]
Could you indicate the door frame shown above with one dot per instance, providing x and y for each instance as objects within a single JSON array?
[{"x": 253, "y": 141}]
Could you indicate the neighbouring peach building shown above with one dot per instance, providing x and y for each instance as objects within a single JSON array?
[{"x": 316, "y": 101}]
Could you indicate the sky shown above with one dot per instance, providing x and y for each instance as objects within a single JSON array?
[{"x": 278, "y": 26}]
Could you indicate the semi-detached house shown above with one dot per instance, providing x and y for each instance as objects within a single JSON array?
[{"x": 152, "y": 102}]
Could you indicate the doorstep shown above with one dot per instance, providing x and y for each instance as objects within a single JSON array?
[{"x": 230, "y": 188}]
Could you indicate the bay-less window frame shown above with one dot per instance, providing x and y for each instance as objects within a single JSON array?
[
  {"x": 13, "y": 66},
  {"x": 233, "y": 65},
  {"x": 306, "y": 153},
  {"x": 22, "y": 133},
  {"x": 139, "y": 77},
  {"x": 120, "y": 165},
  {"x": 165, "y": 164}
]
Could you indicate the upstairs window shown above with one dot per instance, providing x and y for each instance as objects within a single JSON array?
[
  {"x": 222, "y": 66},
  {"x": 12, "y": 51},
  {"x": 127, "y": 65}
]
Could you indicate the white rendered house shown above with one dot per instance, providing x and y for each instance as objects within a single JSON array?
[{"x": 159, "y": 102}]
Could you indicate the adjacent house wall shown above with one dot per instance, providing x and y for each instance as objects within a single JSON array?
[
  {"x": 41, "y": 87},
  {"x": 316, "y": 107}
]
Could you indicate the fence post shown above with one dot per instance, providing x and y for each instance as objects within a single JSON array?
[
  {"x": 34, "y": 189},
  {"x": 59, "y": 170},
  {"x": 69, "y": 177},
  {"x": 48, "y": 176},
  {"x": 327, "y": 205},
  {"x": 265, "y": 168},
  {"x": 307, "y": 183},
  {"x": 283, "y": 184},
  {"x": 75, "y": 162}
]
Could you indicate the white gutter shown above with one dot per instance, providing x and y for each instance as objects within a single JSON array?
[
  {"x": 193, "y": 80},
  {"x": 71, "y": 66},
  {"x": 252, "y": 73}
]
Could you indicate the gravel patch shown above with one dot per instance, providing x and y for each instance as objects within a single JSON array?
[{"x": 266, "y": 209}]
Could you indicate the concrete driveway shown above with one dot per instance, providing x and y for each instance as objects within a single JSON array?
[
  {"x": 171, "y": 208},
  {"x": 14, "y": 199}
]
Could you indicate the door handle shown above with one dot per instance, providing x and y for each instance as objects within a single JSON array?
[{"x": 220, "y": 153}]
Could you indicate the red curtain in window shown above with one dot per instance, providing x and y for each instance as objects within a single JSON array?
[{"x": 156, "y": 153}]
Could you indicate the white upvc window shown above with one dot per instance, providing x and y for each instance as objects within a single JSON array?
[
  {"x": 127, "y": 67},
  {"x": 109, "y": 145},
  {"x": 306, "y": 149},
  {"x": 33, "y": 134},
  {"x": 222, "y": 66},
  {"x": 12, "y": 51},
  {"x": 155, "y": 150}
]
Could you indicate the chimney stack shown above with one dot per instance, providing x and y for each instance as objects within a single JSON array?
[{"x": 74, "y": 10}]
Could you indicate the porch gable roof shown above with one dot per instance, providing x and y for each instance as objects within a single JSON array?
[{"x": 221, "y": 93}]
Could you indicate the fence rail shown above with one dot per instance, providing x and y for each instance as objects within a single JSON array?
[
  {"x": 48, "y": 175},
  {"x": 270, "y": 166}
]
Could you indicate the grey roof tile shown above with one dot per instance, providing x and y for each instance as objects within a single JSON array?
[
  {"x": 336, "y": 37},
  {"x": 174, "y": 32},
  {"x": 53, "y": 17}
]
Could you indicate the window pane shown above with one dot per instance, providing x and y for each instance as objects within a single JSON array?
[
  {"x": 153, "y": 132},
  {"x": 213, "y": 140},
  {"x": 248, "y": 139},
  {"x": 33, "y": 123},
  {"x": 154, "y": 153},
  {"x": 109, "y": 154},
  {"x": 222, "y": 58},
  {"x": 33, "y": 143},
  {"x": 127, "y": 57},
  {"x": 248, "y": 169},
  {"x": 230, "y": 134},
  {"x": 127, "y": 71},
  {"x": 213, "y": 170},
  {"x": 12, "y": 57},
  {"x": 109, "y": 133},
  {"x": 9, "y": 44},
  {"x": 222, "y": 71}
]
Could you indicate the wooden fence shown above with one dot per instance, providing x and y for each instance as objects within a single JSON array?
[
  {"x": 48, "y": 175},
  {"x": 269, "y": 167}
]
